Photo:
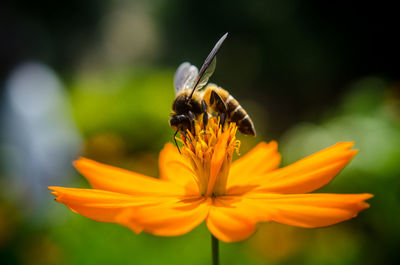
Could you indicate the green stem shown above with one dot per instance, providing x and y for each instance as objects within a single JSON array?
[{"x": 215, "y": 250}]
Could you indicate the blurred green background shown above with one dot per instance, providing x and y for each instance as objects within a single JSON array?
[{"x": 94, "y": 78}]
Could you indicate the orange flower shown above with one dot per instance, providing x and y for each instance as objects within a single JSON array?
[{"x": 202, "y": 183}]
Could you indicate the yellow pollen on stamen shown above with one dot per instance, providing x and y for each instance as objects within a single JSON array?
[{"x": 210, "y": 152}]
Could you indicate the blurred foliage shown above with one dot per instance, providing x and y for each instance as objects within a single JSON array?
[
  {"x": 131, "y": 125},
  {"x": 369, "y": 117},
  {"x": 136, "y": 105}
]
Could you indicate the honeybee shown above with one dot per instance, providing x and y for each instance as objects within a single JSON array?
[{"x": 192, "y": 100}]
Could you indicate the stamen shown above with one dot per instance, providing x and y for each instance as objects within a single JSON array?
[{"x": 210, "y": 150}]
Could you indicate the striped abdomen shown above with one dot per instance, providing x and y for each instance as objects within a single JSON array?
[{"x": 234, "y": 111}]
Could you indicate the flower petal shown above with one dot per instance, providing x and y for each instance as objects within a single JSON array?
[
  {"x": 99, "y": 205},
  {"x": 228, "y": 221},
  {"x": 171, "y": 218},
  {"x": 105, "y": 177},
  {"x": 260, "y": 160},
  {"x": 175, "y": 168},
  {"x": 308, "y": 210},
  {"x": 307, "y": 174}
]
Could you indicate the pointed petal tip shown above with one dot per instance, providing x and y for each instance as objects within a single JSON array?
[
  {"x": 354, "y": 152},
  {"x": 135, "y": 229},
  {"x": 57, "y": 188},
  {"x": 273, "y": 143},
  {"x": 363, "y": 204},
  {"x": 270, "y": 145},
  {"x": 367, "y": 196},
  {"x": 346, "y": 145},
  {"x": 351, "y": 155},
  {"x": 54, "y": 190},
  {"x": 81, "y": 160}
]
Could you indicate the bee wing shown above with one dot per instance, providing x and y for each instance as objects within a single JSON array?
[
  {"x": 185, "y": 76},
  {"x": 207, "y": 74},
  {"x": 208, "y": 67}
]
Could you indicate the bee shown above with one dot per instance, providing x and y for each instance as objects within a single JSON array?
[{"x": 192, "y": 100}]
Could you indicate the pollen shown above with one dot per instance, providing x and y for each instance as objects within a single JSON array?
[{"x": 210, "y": 150}]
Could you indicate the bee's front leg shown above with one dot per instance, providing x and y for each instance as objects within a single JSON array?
[
  {"x": 220, "y": 106},
  {"x": 176, "y": 143},
  {"x": 192, "y": 119},
  {"x": 222, "y": 118},
  {"x": 205, "y": 114}
]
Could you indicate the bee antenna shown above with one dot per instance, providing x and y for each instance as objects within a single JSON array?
[{"x": 208, "y": 61}]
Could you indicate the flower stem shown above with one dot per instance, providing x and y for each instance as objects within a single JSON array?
[{"x": 215, "y": 250}]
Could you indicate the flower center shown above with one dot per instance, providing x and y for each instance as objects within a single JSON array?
[{"x": 210, "y": 152}]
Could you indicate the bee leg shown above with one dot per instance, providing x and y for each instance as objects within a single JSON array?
[
  {"x": 177, "y": 146},
  {"x": 205, "y": 114},
  {"x": 222, "y": 119},
  {"x": 192, "y": 118},
  {"x": 193, "y": 128},
  {"x": 190, "y": 141},
  {"x": 220, "y": 106}
]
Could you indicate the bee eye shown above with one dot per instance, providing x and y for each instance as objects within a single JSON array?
[{"x": 173, "y": 121}]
